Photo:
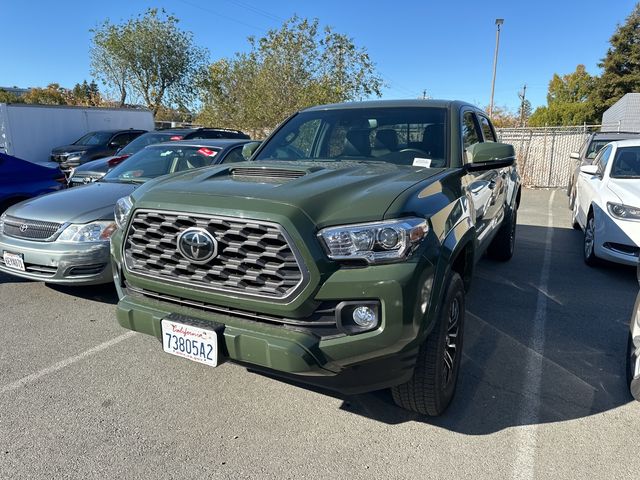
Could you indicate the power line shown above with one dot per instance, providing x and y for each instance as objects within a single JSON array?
[
  {"x": 256, "y": 10},
  {"x": 217, "y": 13}
]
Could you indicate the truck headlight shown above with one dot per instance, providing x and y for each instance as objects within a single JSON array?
[
  {"x": 379, "y": 242},
  {"x": 88, "y": 232},
  {"x": 122, "y": 210},
  {"x": 623, "y": 212}
]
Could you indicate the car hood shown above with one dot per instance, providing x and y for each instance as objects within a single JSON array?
[
  {"x": 327, "y": 192},
  {"x": 71, "y": 149},
  {"x": 627, "y": 190},
  {"x": 81, "y": 204}
]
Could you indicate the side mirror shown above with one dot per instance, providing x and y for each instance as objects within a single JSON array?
[
  {"x": 589, "y": 169},
  {"x": 574, "y": 155},
  {"x": 249, "y": 149},
  {"x": 490, "y": 155}
]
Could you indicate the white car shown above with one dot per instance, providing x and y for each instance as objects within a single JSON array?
[{"x": 607, "y": 205}]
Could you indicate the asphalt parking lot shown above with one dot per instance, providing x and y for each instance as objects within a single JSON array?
[{"x": 542, "y": 392}]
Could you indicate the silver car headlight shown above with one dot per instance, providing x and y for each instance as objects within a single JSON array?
[
  {"x": 88, "y": 232},
  {"x": 122, "y": 210},
  {"x": 2, "y": 217},
  {"x": 623, "y": 212},
  {"x": 380, "y": 242}
]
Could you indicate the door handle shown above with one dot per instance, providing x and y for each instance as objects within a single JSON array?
[{"x": 492, "y": 184}]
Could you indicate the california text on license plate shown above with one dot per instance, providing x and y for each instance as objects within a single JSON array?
[
  {"x": 14, "y": 260},
  {"x": 190, "y": 342}
]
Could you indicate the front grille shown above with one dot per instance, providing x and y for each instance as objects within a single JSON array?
[
  {"x": 254, "y": 258},
  {"x": 30, "y": 229},
  {"x": 323, "y": 318},
  {"x": 268, "y": 173}
]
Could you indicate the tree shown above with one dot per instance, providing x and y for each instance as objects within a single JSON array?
[
  {"x": 9, "y": 97},
  {"x": 621, "y": 64},
  {"x": 568, "y": 100},
  {"x": 149, "y": 56},
  {"x": 502, "y": 117},
  {"x": 290, "y": 68},
  {"x": 524, "y": 112},
  {"x": 53, "y": 94}
]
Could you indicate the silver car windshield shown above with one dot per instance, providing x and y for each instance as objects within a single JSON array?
[{"x": 157, "y": 160}]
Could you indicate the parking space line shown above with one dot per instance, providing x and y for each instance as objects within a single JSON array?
[
  {"x": 524, "y": 465},
  {"x": 64, "y": 363}
]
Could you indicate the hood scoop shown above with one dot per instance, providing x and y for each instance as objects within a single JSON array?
[{"x": 268, "y": 174}]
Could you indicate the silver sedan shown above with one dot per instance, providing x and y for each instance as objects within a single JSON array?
[{"x": 64, "y": 237}]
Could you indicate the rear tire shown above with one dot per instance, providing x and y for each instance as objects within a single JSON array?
[
  {"x": 433, "y": 384},
  {"x": 502, "y": 246}
]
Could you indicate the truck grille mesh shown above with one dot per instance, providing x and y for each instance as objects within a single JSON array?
[
  {"x": 29, "y": 229},
  {"x": 254, "y": 258}
]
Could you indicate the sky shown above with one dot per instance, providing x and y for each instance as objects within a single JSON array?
[{"x": 445, "y": 48}]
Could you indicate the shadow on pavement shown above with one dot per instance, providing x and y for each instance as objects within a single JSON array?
[
  {"x": 105, "y": 293},
  {"x": 583, "y": 357}
]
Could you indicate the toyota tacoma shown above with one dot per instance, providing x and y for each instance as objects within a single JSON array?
[{"x": 338, "y": 255}]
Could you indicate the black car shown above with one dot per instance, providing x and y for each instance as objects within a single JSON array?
[
  {"x": 91, "y": 146},
  {"x": 587, "y": 154},
  {"x": 92, "y": 171}
]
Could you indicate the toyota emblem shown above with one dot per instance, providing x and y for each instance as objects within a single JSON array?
[
  {"x": 197, "y": 245},
  {"x": 23, "y": 227}
]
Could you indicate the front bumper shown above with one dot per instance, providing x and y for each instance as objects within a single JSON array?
[
  {"x": 61, "y": 263},
  {"x": 347, "y": 363},
  {"x": 633, "y": 351},
  {"x": 617, "y": 240}
]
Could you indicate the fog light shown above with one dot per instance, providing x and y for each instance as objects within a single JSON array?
[{"x": 364, "y": 317}]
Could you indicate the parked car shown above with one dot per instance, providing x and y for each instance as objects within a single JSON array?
[
  {"x": 64, "y": 237},
  {"x": 21, "y": 179},
  {"x": 91, "y": 146},
  {"x": 92, "y": 171},
  {"x": 607, "y": 205},
  {"x": 633, "y": 347},
  {"x": 338, "y": 256},
  {"x": 588, "y": 152}
]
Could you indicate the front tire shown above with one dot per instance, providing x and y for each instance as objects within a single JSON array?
[
  {"x": 433, "y": 384},
  {"x": 589, "y": 243}
]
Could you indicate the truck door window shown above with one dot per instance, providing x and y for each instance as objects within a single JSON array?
[
  {"x": 487, "y": 131},
  {"x": 470, "y": 131}
]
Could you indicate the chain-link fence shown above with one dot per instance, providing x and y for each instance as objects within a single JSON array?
[{"x": 543, "y": 153}]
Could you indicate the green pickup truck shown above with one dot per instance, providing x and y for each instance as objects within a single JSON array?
[{"x": 338, "y": 255}]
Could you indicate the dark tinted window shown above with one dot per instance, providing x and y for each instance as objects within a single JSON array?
[
  {"x": 602, "y": 158},
  {"x": 487, "y": 131},
  {"x": 626, "y": 163},
  {"x": 595, "y": 147},
  {"x": 470, "y": 133},
  {"x": 94, "y": 138},
  {"x": 146, "y": 139},
  {"x": 234, "y": 156}
]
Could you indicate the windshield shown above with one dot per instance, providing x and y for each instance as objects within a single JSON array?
[
  {"x": 626, "y": 163},
  {"x": 144, "y": 140},
  {"x": 403, "y": 136},
  {"x": 94, "y": 138},
  {"x": 160, "y": 160}
]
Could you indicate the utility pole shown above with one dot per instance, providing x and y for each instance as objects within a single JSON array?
[
  {"x": 522, "y": 94},
  {"x": 499, "y": 21},
  {"x": 424, "y": 94}
]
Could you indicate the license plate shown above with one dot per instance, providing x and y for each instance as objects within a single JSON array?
[
  {"x": 14, "y": 260},
  {"x": 190, "y": 342}
]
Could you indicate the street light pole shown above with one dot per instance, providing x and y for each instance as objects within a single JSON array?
[{"x": 499, "y": 21}]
